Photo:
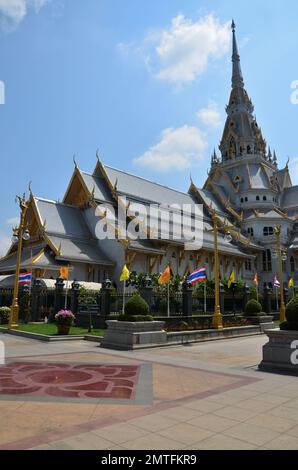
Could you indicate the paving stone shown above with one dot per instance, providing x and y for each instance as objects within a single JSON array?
[
  {"x": 283, "y": 442},
  {"x": 84, "y": 441},
  {"x": 274, "y": 423},
  {"x": 212, "y": 422},
  {"x": 237, "y": 414},
  {"x": 252, "y": 434},
  {"x": 221, "y": 442},
  {"x": 120, "y": 433},
  {"x": 153, "y": 422},
  {"x": 154, "y": 442},
  {"x": 185, "y": 433}
]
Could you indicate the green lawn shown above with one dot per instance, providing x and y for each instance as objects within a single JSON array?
[{"x": 50, "y": 329}]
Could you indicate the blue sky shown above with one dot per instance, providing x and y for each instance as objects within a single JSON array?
[{"x": 145, "y": 82}]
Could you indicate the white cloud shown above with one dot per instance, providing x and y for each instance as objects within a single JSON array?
[
  {"x": 210, "y": 116},
  {"x": 13, "y": 221},
  {"x": 182, "y": 52},
  {"x": 5, "y": 242},
  {"x": 12, "y": 12},
  {"x": 177, "y": 150},
  {"x": 187, "y": 47}
]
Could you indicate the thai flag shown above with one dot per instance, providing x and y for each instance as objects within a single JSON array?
[
  {"x": 199, "y": 275},
  {"x": 276, "y": 282},
  {"x": 25, "y": 278}
]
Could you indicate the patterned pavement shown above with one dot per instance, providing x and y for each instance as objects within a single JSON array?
[{"x": 205, "y": 396}]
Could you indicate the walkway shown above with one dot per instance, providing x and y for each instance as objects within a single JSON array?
[{"x": 75, "y": 395}]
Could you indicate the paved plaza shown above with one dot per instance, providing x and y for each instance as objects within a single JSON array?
[{"x": 76, "y": 395}]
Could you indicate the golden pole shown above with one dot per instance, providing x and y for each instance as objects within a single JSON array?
[
  {"x": 282, "y": 308},
  {"x": 14, "y": 314},
  {"x": 217, "y": 317}
]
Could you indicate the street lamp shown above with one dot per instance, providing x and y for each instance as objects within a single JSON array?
[
  {"x": 228, "y": 237},
  {"x": 19, "y": 234},
  {"x": 281, "y": 254},
  {"x": 217, "y": 317}
]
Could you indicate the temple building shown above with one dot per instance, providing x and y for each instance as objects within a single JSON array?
[{"x": 244, "y": 186}]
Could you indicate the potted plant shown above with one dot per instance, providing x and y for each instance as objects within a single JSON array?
[
  {"x": 135, "y": 329},
  {"x": 64, "y": 320},
  {"x": 4, "y": 315},
  {"x": 253, "y": 313}
]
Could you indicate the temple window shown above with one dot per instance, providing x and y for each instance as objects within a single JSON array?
[
  {"x": 250, "y": 231},
  {"x": 248, "y": 149},
  {"x": 242, "y": 200},
  {"x": 264, "y": 198},
  {"x": 246, "y": 199},
  {"x": 257, "y": 198},
  {"x": 267, "y": 231}
]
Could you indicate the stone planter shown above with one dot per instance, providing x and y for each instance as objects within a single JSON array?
[
  {"x": 124, "y": 335},
  {"x": 279, "y": 353},
  {"x": 265, "y": 322}
]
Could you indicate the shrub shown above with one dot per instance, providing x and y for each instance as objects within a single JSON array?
[
  {"x": 64, "y": 317},
  {"x": 289, "y": 325},
  {"x": 136, "y": 305},
  {"x": 4, "y": 315},
  {"x": 292, "y": 310},
  {"x": 135, "y": 318},
  {"x": 253, "y": 308}
]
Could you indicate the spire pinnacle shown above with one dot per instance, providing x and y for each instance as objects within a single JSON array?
[{"x": 237, "y": 78}]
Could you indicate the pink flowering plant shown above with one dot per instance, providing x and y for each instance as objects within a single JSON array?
[{"x": 65, "y": 317}]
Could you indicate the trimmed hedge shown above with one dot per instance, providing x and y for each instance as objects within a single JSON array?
[
  {"x": 289, "y": 325},
  {"x": 135, "y": 318},
  {"x": 4, "y": 315},
  {"x": 136, "y": 306},
  {"x": 253, "y": 308},
  {"x": 292, "y": 310}
]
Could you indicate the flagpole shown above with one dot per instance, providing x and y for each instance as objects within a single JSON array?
[
  {"x": 66, "y": 290},
  {"x": 123, "y": 305},
  {"x": 168, "y": 309},
  {"x": 205, "y": 298},
  {"x": 30, "y": 288}
]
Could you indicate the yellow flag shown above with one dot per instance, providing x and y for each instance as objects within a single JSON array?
[
  {"x": 291, "y": 283},
  {"x": 256, "y": 280},
  {"x": 165, "y": 277},
  {"x": 231, "y": 279},
  {"x": 125, "y": 274},
  {"x": 64, "y": 272}
]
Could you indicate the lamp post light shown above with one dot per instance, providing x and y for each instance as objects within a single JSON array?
[
  {"x": 217, "y": 317},
  {"x": 225, "y": 227},
  {"x": 19, "y": 234},
  {"x": 281, "y": 254}
]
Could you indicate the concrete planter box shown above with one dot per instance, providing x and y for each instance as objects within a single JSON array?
[
  {"x": 125, "y": 335},
  {"x": 278, "y": 351},
  {"x": 265, "y": 322}
]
